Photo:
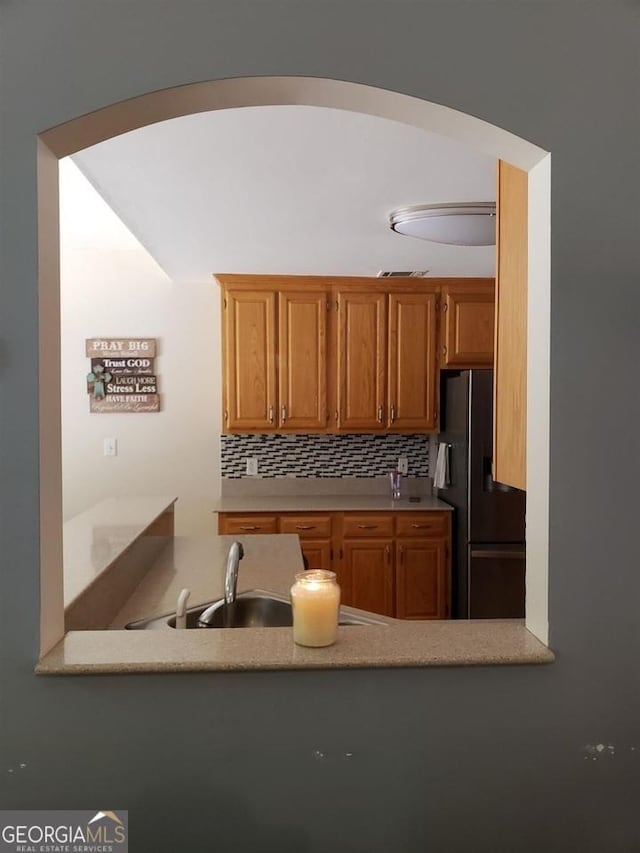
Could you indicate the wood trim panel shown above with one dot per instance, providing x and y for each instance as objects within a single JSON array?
[
  {"x": 335, "y": 283},
  {"x": 510, "y": 374}
]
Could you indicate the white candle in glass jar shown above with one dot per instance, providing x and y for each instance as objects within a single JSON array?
[{"x": 315, "y": 599}]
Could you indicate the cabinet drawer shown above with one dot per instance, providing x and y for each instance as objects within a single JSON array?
[
  {"x": 361, "y": 526},
  {"x": 307, "y": 526},
  {"x": 237, "y": 524},
  {"x": 424, "y": 524}
]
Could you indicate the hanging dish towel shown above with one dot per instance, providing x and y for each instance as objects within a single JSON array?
[{"x": 441, "y": 478}]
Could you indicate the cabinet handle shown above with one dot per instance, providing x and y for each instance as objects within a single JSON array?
[
  {"x": 393, "y": 413},
  {"x": 305, "y": 527},
  {"x": 401, "y": 553},
  {"x": 444, "y": 350},
  {"x": 270, "y": 414},
  {"x": 249, "y": 527},
  {"x": 380, "y": 413},
  {"x": 367, "y": 526},
  {"x": 387, "y": 552},
  {"x": 420, "y": 526},
  {"x": 283, "y": 414}
]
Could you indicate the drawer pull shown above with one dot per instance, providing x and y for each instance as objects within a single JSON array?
[
  {"x": 380, "y": 414},
  {"x": 249, "y": 527},
  {"x": 367, "y": 526},
  {"x": 305, "y": 527},
  {"x": 420, "y": 526}
]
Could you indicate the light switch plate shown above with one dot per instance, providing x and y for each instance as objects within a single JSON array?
[
  {"x": 252, "y": 466},
  {"x": 110, "y": 447},
  {"x": 403, "y": 465}
]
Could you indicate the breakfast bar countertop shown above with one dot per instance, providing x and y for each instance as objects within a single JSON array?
[{"x": 270, "y": 563}]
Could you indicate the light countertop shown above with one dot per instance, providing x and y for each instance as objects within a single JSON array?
[
  {"x": 270, "y": 563},
  {"x": 327, "y": 503},
  {"x": 93, "y": 539}
]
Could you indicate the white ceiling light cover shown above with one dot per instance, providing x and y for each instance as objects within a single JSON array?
[{"x": 466, "y": 224}]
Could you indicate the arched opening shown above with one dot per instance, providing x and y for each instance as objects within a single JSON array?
[{"x": 119, "y": 118}]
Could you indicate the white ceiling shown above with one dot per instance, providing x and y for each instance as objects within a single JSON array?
[{"x": 287, "y": 189}]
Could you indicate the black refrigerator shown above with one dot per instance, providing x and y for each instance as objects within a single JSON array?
[{"x": 488, "y": 543}]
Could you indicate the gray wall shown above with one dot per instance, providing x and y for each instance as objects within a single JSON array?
[{"x": 446, "y": 760}]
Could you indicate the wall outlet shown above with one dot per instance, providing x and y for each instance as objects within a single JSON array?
[
  {"x": 403, "y": 465},
  {"x": 110, "y": 447},
  {"x": 252, "y": 466}
]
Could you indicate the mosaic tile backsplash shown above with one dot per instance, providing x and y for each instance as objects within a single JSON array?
[{"x": 323, "y": 455}]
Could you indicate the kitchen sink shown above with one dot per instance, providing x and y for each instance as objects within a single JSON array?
[{"x": 252, "y": 609}]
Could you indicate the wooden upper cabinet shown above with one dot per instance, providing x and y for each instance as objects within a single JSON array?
[
  {"x": 302, "y": 368},
  {"x": 412, "y": 361},
  {"x": 510, "y": 374},
  {"x": 468, "y": 324},
  {"x": 345, "y": 354},
  {"x": 362, "y": 349},
  {"x": 249, "y": 326}
]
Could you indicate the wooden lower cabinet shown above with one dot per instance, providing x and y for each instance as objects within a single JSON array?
[
  {"x": 396, "y": 564},
  {"x": 317, "y": 554},
  {"x": 367, "y": 573},
  {"x": 422, "y": 579}
]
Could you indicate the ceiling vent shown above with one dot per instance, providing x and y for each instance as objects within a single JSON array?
[{"x": 402, "y": 273}]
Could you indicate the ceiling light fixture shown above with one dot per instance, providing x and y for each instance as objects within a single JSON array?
[{"x": 463, "y": 224}]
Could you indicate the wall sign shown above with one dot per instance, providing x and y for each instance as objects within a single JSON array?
[{"x": 122, "y": 377}]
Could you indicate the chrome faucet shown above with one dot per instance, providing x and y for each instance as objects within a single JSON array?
[{"x": 236, "y": 553}]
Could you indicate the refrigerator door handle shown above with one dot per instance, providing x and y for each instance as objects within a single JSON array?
[{"x": 502, "y": 555}]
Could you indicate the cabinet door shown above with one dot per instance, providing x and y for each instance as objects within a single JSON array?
[
  {"x": 412, "y": 361},
  {"x": 302, "y": 371},
  {"x": 469, "y": 319},
  {"x": 362, "y": 336},
  {"x": 317, "y": 553},
  {"x": 368, "y": 571},
  {"x": 510, "y": 374},
  {"x": 421, "y": 579},
  {"x": 249, "y": 360}
]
